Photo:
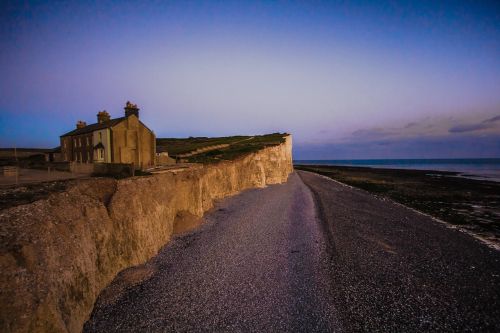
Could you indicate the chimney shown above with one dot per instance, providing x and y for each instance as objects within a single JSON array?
[
  {"x": 131, "y": 109},
  {"x": 81, "y": 124},
  {"x": 103, "y": 116}
]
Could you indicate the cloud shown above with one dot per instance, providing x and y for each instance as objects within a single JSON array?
[
  {"x": 447, "y": 146},
  {"x": 428, "y": 127},
  {"x": 373, "y": 133},
  {"x": 484, "y": 125},
  {"x": 413, "y": 137},
  {"x": 469, "y": 128},
  {"x": 492, "y": 120},
  {"x": 425, "y": 127}
]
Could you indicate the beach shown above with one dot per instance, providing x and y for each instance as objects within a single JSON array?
[
  {"x": 309, "y": 255},
  {"x": 472, "y": 168},
  {"x": 472, "y": 205}
]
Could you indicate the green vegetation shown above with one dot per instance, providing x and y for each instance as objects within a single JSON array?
[
  {"x": 237, "y": 146},
  {"x": 176, "y": 146},
  {"x": 473, "y": 204}
]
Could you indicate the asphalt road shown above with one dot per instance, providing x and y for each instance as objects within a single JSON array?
[{"x": 311, "y": 255}]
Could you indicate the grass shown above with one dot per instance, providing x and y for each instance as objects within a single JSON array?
[
  {"x": 177, "y": 146},
  {"x": 238, "y": 146}
]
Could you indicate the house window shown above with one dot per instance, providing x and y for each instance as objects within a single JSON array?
[
  {"x": 79, "y": 142},
  {"x": 80, "y": 156},
  {"x": 100, "y": 137},
  {"x": 88, "y": 155},
  {"x": 100, "y": 154},
  {"x": 87, "y": 140},
  {"x": 74, "y": 143}
]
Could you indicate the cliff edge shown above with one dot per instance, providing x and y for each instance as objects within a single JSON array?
[{"x": 58, "y": 253}]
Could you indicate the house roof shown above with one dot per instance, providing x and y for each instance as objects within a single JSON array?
[{"x": 93, "y": 127}]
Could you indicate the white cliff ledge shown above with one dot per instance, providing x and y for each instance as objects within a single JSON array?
[{"x": 58, "y": 253}]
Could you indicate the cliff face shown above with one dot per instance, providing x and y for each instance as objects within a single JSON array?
[{"x": 57, "y": 254}]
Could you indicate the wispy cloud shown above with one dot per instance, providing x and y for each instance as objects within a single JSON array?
[
  {"x": 427, "y": 127},
  {"x": 448, "y": 146},
  {"x": 486, "y": 124},
  {"x": 472, "y": 135},
  {"x": 494, "y": 119},
  {"x": 375, "y": 133},
  {"x": 469, "y": 128},
  {"x": 424, "y": 127}
]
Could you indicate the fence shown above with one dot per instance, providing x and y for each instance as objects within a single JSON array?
[
  {"x": 10, "y": 171},
  {"x": 86, "y": 168}
]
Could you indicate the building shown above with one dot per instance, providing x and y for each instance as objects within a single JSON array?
[
  {"x": 47, "y": 154},
  {"x": 120, "y": 140},
  {"x": 162, "y": 157}
]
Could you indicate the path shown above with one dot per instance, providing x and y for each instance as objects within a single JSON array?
[{"x": 264, "y": 262}]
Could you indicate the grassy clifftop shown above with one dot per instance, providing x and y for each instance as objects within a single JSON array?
[{"x": 218, "y": 149}]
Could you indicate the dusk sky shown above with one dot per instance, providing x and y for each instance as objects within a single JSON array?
[{"x": 362, "y": 79}]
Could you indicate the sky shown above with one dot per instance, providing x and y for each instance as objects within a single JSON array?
[{"x": 349, "y": 79}]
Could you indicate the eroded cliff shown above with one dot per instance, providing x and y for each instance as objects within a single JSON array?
[{"x": 57, "y": 254}]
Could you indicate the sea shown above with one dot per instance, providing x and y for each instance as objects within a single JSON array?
[{"x": 475, "y": 168}]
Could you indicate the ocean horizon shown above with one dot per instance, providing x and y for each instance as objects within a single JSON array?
[{"x": 475, "y": 168}]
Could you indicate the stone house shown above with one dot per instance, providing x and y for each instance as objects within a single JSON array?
[{"x": 120, "y": 140}]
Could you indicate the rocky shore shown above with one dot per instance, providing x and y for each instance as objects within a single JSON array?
[
  {"x": 471, "y": 205},
  {"x": 310, "y": 255}
]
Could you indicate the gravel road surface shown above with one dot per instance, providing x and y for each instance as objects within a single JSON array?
[{"x": 310, "y": 255}]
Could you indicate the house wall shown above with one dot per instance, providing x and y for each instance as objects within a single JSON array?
[
  {"x": 132, "y": 142},
  {"x": 66, "y": 149},
  {"x": 82, "y": 148},
  {"x": 103, "y": 136},
  {"x": 77, "y": 148}
]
